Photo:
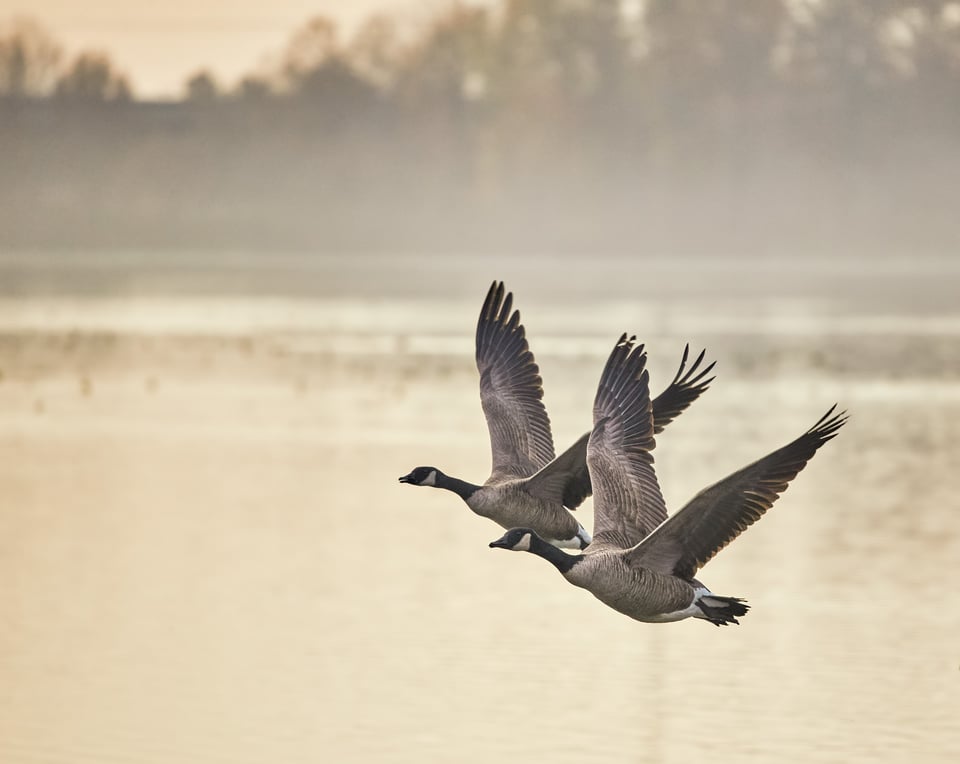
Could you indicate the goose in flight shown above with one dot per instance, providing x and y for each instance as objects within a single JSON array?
[
  {"x": 528, "y": 486},
  {"x": 642, "y": 563}
]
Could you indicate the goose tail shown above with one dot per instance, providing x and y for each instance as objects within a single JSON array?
[{"x": 721, "y": 611}]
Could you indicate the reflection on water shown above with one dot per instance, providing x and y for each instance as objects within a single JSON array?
[{"x": 206, "y": 555}]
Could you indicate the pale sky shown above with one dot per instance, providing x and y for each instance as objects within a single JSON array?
[{"x": 159, "y": 44}]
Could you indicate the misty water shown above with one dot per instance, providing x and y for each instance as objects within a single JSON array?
[{"x": 206, "y": 555}]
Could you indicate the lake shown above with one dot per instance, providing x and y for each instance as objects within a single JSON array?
[{"x": 206, "y": 555}]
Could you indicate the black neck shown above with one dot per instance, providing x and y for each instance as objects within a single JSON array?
[
  {"x": 462, "y": 488},
  {"x": 560, "y": 559}
]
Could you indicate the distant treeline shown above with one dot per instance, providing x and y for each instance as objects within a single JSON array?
[{"x": 736, "y": 126}]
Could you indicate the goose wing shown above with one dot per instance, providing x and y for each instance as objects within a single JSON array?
[
  {"x": 511, "y": 391},
  {"x": 567, "y": 479},
  {"x": 627, "y": 502},
  {"x": 720, "y": 513},
  {"x": 682, "y": 391}
]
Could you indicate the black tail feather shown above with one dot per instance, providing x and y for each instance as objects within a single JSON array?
[{"x": 721, "y": 611}]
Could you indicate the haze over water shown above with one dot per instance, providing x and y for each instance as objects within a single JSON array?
[{"x": 207, "y": 557}]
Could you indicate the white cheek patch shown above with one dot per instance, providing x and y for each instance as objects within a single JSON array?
[
  {"x": 523, "y": 545},
  {"x": 430, "y": 479}
]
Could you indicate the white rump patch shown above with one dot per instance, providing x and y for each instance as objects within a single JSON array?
[
  {"x": 582, "y": 537},
  {"x": 691, "y": 611},
  {"x": 430, "y": 479}
]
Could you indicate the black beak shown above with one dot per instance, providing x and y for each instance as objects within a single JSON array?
[
  {"x": 499, "y": 544},
  {"x": 406, "y": 479}
]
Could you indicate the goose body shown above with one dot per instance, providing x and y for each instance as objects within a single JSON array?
[
  {"x": 611, "y": 578},
  {"x": 510, "y": 503},
  {"x": 529, "y": 486},
  {"x": 640, "y": 592},
  {"x": 642, "y": 563}
]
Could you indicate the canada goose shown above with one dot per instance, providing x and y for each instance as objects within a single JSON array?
[
  {"x": 527, "y": 485},
  {"x": 641, "y": 563}
]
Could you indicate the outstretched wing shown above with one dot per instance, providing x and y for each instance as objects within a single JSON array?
[
  {"x": 511, "y": 391},
  {"x": 567, "y": 478},
  {"x": 720, "y": 513},
  {"x": 627, "y": 503},
  {"x": 682, "y": 391}
]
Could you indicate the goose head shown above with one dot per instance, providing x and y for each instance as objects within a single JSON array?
[
  {"x": 515, "y": 539},
  {"x": 526, "y": 540},
  {"x": 421, "y": 476}
]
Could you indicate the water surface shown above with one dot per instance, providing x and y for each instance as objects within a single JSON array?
[{"x": 207, "y": 557}]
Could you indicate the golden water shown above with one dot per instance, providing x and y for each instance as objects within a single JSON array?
[{"x": 205, "y": 555}]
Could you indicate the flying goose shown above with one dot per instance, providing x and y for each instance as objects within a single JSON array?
[
  {"x": 528, "y": 486},
  {"x": 641, "y": 563}
]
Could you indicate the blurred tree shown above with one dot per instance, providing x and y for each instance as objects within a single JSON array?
[
  {"x": 253, "y": 89},
  {"x": 310, "y": 48},
  {"x": 927, "y": 36},
  {"x": 29, "y": 59},
  {"x": 710, "y": 66},
  {"x": 842, "y": 43},
  {"x": 571, "y": 61},
  {"x": 573, "y": 46},
  {"x": 841, "y": 72},
  {"x": 451, "y": 63},
  {"x": 336, "y": 87},
  {"x": 706, "y": 110},
  {"x": 93, "y": 77},
  {"x": 565, "y": 62},
  {"x": 376, "y": 51},
  {"x": 202, "y": 88},
  {"x": 315, "y": 72}
]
